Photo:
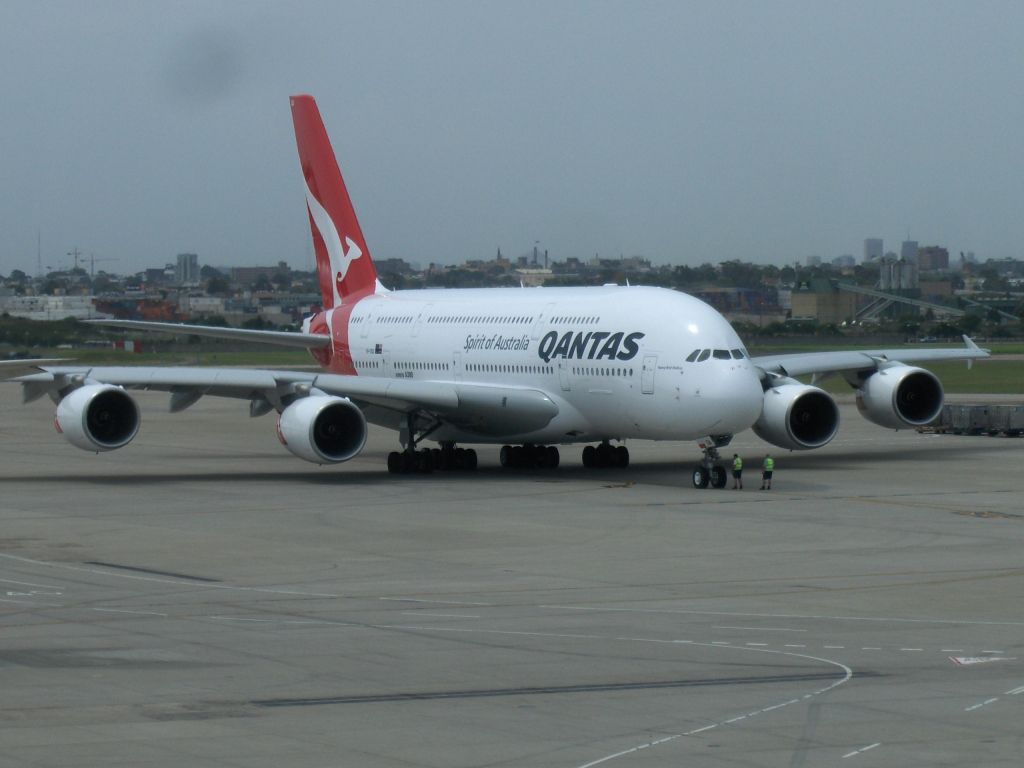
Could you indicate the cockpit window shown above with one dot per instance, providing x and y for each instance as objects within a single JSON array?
[
  {"x": 692, "y": 356},
  {"x": 704, "y": 355},
  {"x": 737, "y": 354},
  {"x": 721, "y": 354}
]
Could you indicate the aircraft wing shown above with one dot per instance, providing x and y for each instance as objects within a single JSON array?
[
  {"x": 283, "y": 338},
  {"x": 12, "y": 368},
  {"x": 479, "y": 407},
  {"x": 823, "y": 363}
]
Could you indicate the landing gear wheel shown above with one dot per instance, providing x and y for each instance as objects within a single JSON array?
[
  {"x": 701, "y": 477},
  {"x": 590, "y": 456},
  {"x": 394, "y": 462},
  {"x": 505, "y": 456},
  {"x": 552, "y": 457},
  {"x": 718, "y": 476},
  {"x": 621, "y": 456}
]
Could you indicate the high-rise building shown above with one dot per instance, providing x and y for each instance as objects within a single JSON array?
[
  {"x": 908, "y": 251},
  {"x": 873, "y": 249},
  {"x": 932, "y": 258},
  {"x": 186, "y": 271}
]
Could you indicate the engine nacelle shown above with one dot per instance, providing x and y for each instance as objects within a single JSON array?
[
  {"x": 900, "y": 396},
  {"x": 98, "y": 417},
  {"x": 798, "y": 417},
  {"x": 322, "y": 429}
]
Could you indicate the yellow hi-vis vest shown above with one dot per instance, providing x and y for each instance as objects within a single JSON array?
[
  {"x": 769, "y": 464},
  {"x": 737, "y": 463}
]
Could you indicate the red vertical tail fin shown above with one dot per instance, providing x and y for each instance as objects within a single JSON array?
[{"x": 342, "y": 258}]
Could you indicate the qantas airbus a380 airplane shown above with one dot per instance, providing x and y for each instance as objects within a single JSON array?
[{"x": 529, "y": 369}]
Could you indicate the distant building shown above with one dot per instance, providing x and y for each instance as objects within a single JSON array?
[
  {"x": 820, "y": 300},
  {"x": 846, "y": 260},
  {"x": 186, "y": 271},
  {"x": 908, "y": 251},
  {"x": 932, "y": 258},
  {"x": 873, "y": 250},
  {"x": 814, "y": 261}
]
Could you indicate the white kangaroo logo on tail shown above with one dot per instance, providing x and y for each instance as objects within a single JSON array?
[{"x": 339, "y": 257}]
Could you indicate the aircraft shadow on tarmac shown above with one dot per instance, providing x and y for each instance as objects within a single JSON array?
[{"x": 658, "y": 470}]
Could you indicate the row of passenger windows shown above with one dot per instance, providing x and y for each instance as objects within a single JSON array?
[
  {"x": 575, "y": 319},
  {"x": 700, "y": 355},
  {"x": 497, "y": 368},
  {"x": 505, "y": 319},
  {"x": 422, "y": 366},
  {"x": 587, "y": 371}
]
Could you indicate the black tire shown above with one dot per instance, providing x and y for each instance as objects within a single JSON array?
[
  {"x": 589, "y": 456},
  {"x": 701, "y": 478},
  {"x": 505, "y": 456},
  {"x": 553, "y": 457},
  {"x": 605, "y": 456},
  {"x": 395, "y": 463},
  {"x": 621, "y": 456},
  {"x": 469, "y": 461},
  {"x": 718, "y": 476}
]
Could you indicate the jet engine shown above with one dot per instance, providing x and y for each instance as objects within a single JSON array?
[
  {"x": 322, "y": 429},
  {"x": 900, "y": 396},
  {"x": 797, "y": 416},
  {"x": 98, "y": 417}
]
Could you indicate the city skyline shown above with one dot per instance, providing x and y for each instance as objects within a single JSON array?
[{"x": 683, "y": 133}]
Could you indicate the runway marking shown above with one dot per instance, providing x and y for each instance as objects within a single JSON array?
[
  {"x": 634, "y": 749},
  {"x": 124, "y": 610},
  {"x": 862, "y": 750},
  {"x": 911, "y": 649},
  {"x": 982, "y": 704},
  {"x": 835, "y": 647},
  {"x": 848, "y": 675},
  {"x": 794, "y": 645},
  {"x": 765, "y": 629},
  {"x": 675, "y": 611},
  {"x": 871, "y": 648},
  {"x": 1015, "y": 691},
  {"x": 757, "y": 645},
  {"x": 440, "y": 615},
  {"x": 30, "y": 584},
  {"x": 438, "y": 602},
  {"x": 984, "y": 651},
  {"x": 155, "y": 580}
]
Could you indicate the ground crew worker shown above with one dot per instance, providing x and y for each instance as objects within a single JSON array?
[
  {"x": 737, "y": 472},
  {"x": 766, "y": 473}
]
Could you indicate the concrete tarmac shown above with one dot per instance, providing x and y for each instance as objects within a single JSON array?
[{"x": 203, "y": 598}]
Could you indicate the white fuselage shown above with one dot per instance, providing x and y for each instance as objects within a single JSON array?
[{"x": 613, "y": 359}]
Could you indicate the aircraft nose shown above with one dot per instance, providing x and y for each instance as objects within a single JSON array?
[{"x": 737, "y": 399}]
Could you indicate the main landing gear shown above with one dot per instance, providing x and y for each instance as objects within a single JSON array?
[
  {"x": 424, "y": 460},
  {"x": 529, "y": 456},
  {"x": 605, "y": 456},
  {"x": 710, "y": 471}
]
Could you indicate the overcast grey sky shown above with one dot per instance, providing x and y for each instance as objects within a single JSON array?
[{"x": 686, "y": 132}]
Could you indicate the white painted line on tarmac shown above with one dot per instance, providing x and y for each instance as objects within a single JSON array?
[
  {"x": 29, "y": 584},
  {"x": 1015, "y": 691},
  {"x": 794, "y": 646},
  {"x": 871, "y": 648},
  {"x": 888, "y": 619},
  {"x": 440, "y": 615},
  {"x": 993, "y": 651},
  {"x": 911, "y": 649},
  {"x": 632, "y": 750},
  {"x": 182, "y": 582},
  {"x": 835, "y": 647},
  {"x": 436, "y": 602},
  {"x": 765, "y": 629},
  {"x": 951, "y": 650},
  {"x": 862, "y": 750},
  {"x": 757, "y": 645},
  {"x": 986, "y": 702},
  {"x": 124, "y": 610}
]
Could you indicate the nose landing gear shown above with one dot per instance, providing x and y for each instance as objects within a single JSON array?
[{"x": 710, "y": 471}]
